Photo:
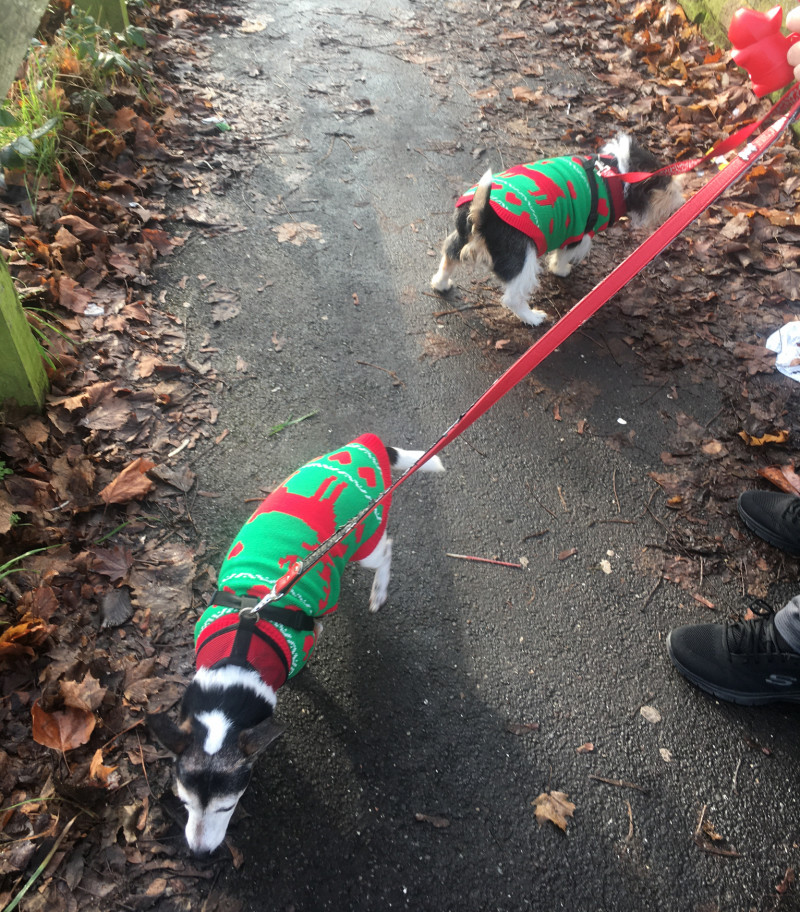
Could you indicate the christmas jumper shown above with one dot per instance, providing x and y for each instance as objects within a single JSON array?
[
  {"x": 559, "y": 200},
  {"x": 306, "y": 510}
]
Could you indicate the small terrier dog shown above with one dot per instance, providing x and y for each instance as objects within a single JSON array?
[
  {"x": 554, "y": 207},
  {"x": 226, "y": 716}
]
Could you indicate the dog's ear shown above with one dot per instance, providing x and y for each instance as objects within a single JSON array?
[
  {"x": 255, "y": 740},
  {"x": 171, "y": 736}
]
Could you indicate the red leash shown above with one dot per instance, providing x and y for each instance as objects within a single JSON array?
[{"x": 580, "y": 313}]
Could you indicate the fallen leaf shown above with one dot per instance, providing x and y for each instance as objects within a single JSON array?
[
  {"x": 666, "y": 755},
  {"x": 555, "y": 807},
  {"x": 131, "y": 484},
  {"x": 224, "y": 311},
  {"x": 783, "y": 477},
  {"x": 788, "y": 880},
  {"x": 440, "y": 823},
  {"x": 297, "y": 233},
  {"x": 251, "y": 26},
  {"x": 585, "y": 748},
  {"x": 98, "y": 770},
  {"x": 780, "y": 437},
  {"x": 86, "y": 695},
  {"x": 523, "y": 93},
  {"x": 116, "y": 607},
  {"x": 522, "y": 728},
  {"x": 64, "y": 729},
  {"x": 651, "y": 714},
  {"x": 570, "y": 552}
]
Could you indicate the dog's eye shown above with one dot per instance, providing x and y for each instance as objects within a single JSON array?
[{"x": 224, "y": 810}]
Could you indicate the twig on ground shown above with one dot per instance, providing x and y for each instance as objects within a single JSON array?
[
  {"x": 485, "y": 560},
  {"x": 620, "y": 783}
]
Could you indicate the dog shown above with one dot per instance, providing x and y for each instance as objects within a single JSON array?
[
  {"x": 226, "y": 715},
  {"x": 554, "y": 206}
]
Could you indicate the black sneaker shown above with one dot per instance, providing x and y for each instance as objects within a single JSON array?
[
  {"x": 747, "y": 662},
  {"x": 773, "y": 516}
]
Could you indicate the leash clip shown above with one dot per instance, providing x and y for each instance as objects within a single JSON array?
[{"x": 250, "y": 605}]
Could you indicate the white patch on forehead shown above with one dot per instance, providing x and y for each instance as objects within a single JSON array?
[{"x": 217, "y": 725}]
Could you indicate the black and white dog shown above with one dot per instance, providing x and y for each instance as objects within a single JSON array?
[
  {"x": 554, "y": 206},
  {"x": 226, "y": 716}
]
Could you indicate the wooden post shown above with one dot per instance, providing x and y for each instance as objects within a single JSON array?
[
  {"x": 22, "y": 374},
  {"x": 112, "y": 14},
  {"x": 19, "y": 20}
]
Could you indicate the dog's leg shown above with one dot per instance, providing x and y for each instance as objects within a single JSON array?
[
  {"x": 381, "y": 562},
  {"x": 451, "y": 252},
  {"x": 519, "y": 289},
  {"x": 561, "y": 261}
]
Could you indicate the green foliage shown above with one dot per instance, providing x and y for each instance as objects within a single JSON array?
[
  {"x": 96, "y": 45},
  {"x": 10, "y": 566},
  {"x": 42, "y": 329},
  {"x": 80, "y": 63},
  {"x": 4, "y": 470},
  {"x": 29, "y": 131}
]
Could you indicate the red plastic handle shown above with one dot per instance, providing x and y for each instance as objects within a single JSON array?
[{"x": 760, "y": 47}]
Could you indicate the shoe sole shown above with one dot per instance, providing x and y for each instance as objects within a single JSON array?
[
  {"x": 722, "y": 693},
  {"x": 767, "y": 534}
]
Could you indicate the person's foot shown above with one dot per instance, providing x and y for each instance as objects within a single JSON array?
[
  {"x": 773, "y": 516},
  {"x": 746, "y": 662}
]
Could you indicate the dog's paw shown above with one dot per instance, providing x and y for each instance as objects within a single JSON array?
[
  {"x": 536, "y": 317},
  {"x": 441, "y": 283},
  {"x": 559, "y": 265}
]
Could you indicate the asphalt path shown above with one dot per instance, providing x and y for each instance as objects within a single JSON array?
[{"x": 418, "y": 738}]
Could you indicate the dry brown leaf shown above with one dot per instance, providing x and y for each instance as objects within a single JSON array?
[
  {"x": 780, "y": 437},
  {"x": 64, "y": 729},
  {"x": 783, "y": 477},
  {"x": 297, "y": 233},
  {"x": 130, "y": 484},
  {"x": 523, "y": 93},
  {"x": 86, "y": 694},
  {"x": 22, "y": 639},
  {"x": 555, "y": 807},
  {"x": 440, "y": 823},
  {"x": 484, "y": 94},
  {"x": 251, "y": 26},
  {"x": 98, "y": 770},
  {"x": 651, "y": 714},
  {"x": 585, "y": 748}
]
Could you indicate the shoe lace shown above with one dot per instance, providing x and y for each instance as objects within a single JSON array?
[{"x": 756, "y": 636}]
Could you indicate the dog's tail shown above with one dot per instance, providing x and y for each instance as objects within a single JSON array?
[
  {"x": 475, "y": 249},
  {"x": 404, "y": 459},
  {"x": 480, "y": 202}
]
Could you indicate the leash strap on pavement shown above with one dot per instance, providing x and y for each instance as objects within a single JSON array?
[{"x": 580, "y": 312}]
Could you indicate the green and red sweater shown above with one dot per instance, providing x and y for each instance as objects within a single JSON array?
[
  {"x": 557, "y": 201},
  {"x": 306, "y": 510}
]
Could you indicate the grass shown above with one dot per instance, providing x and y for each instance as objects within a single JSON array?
[
  {"x": 29, "y": 123},
  {"x": 41, "y": 329},
  {"x": 66, "y": 79},
  {"x": 277, "y": 428}
]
